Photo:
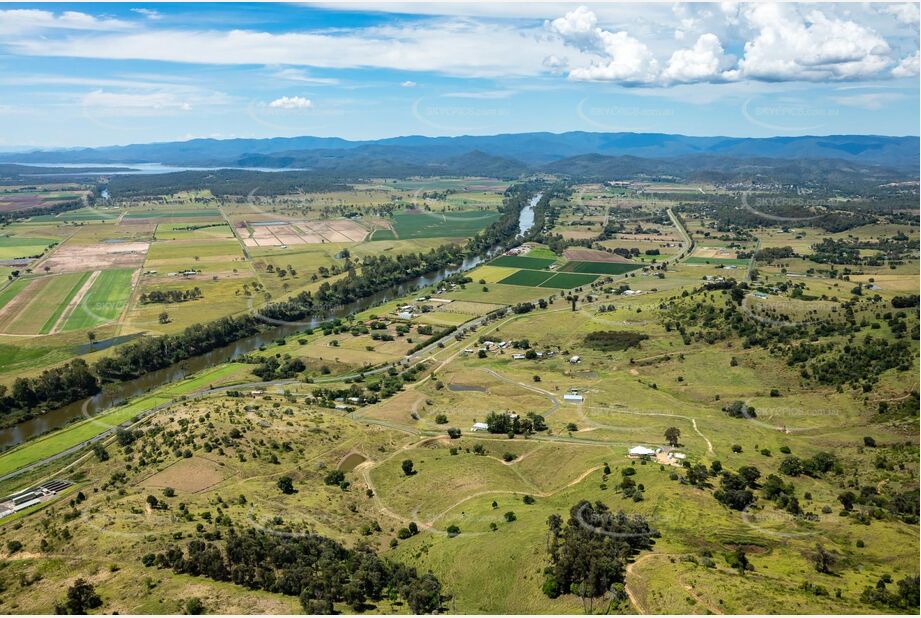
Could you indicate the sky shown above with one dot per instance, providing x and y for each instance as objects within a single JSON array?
[{"x": 90, "y": 74}]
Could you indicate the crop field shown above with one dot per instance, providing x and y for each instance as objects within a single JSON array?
[
  {"x": 38, "y": 306},
  {"x": 172, "y": 215},
  {"x": 531, "y": 278},
  {"x": 13, "y": 247},
  {"x": 599, "y": 268},
  {"x": 193, "y": 231},
  {"x": 566, "y": 281},
  {"x": 442, "y": 225},
  {"x": 104, "y": 302},
  {"x": 8, "y": 293},
  {"x": 522, "y": 261},
  {"x": 74, "y": 256}
]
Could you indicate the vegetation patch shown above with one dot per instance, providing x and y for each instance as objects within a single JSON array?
[
  {"x": 613, "y": 340},
  {"x": 530, "y": 278},
  {"x": 522, "y": 261},
  {"x": 567, "y": 281},
  {"x": 600, "y": 268}
]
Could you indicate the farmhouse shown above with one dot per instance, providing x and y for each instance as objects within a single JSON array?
[{"x": 642, "y": 451}]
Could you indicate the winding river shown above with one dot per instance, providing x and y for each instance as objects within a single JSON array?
[{"x": 117, "y": 393}]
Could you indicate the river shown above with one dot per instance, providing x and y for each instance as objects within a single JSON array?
[{"x": 117, "y": 393}]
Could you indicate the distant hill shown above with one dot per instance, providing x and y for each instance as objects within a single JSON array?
[{"x": 507, "y": 154}]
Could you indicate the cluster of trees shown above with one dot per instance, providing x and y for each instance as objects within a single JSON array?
[
  {"x": 589, "y": 554},
  {"x": 318, "y": 570},
  {"x": 274, "y": 368},
  {"x": 53, "y": 388},
  {"x": 503, "y": 422},
  {"x": 221, "y": 183},
  {"x": 739, "y": 409},
  {"x": 170, "y": 296},
  {"x": 613, "y": 340},
  {"x": 815, "y": 466},
  {"x": 905, "y": 597}
]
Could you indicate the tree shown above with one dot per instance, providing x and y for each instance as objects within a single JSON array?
[
  {"x": 164, "y": 317},
  {"x": 92, "y": 337},
  {"x": 739, "y": 561},
  {"x": 672, "y": 434},
  {"x": 81, "y": 597},
  {"x": 454, "y": 433},
  {"x": 407, "y": 467},
  {"x": 822, "y": 559},
  {"x": 194, "y": 606},
  {"x": 286, "y": 485},
  {"x": 424, "y": 595}
]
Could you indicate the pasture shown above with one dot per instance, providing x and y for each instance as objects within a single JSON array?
[
  {"x": 523, "y": 261},
  {"x": 16, "y": 247},
  {"x": 104, "y": 302},
  {"x": 599, "y": 268},
  {"x": 459, "y": 224}
]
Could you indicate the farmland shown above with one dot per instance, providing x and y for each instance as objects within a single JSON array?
[
  {"x": 649, "y": 341},
  {"x": 433, "y": 225}
]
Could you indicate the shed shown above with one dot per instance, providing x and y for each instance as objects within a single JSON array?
[{"x": 480, "y": 427}]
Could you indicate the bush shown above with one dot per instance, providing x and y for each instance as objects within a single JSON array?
[{"x": 194, "y": 606}]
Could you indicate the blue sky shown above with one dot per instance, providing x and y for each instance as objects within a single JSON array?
[{"x": 87, "y": 74}]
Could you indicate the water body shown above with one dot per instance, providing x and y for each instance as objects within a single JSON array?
[
  {"x": 117, "y": 393},
  {"x": 112, "y": 169}
]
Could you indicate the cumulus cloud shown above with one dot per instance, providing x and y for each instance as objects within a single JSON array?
[
  {"x": 291, "y": 103},
  {"x": 784, "y": 44},
  {"x": 908, "y": 66},
  {"x": 814, "y": 47},
  {"x": 623, "y": 57},
  {"x": 705, "y": 61}
]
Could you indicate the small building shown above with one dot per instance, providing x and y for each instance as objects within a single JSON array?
[
  {"x": 480, "y": 427},
  {"x": 575, "y": 397},
  {"x": 638, "y": 452},
  {"x": 575, "y": 359},
  {"x": 678, "y": 456},
  {"x": 518, "y": 356},
  {"x": 405, "y": 315},
  {"x": 759, "y": 295}
]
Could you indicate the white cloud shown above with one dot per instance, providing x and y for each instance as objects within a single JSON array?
[
  {"x": 299, "y": 75},
  {"x": 291, "y": 103},
  {"x": 623, "y": 58},
  {"x": 705, "y": 61},
  {"x": 463, "y": 48},
  {"x": 908, "y": 66},
  {"x": 408, "y": 84},
  {"x": 136, "y": 102},
  {"x": 790, "y": 46},
  {"x": 25, "y": 21},
  {"x": 869, "y": 100},
  {"x": 905, "y": 12},
  {"x": 148, "y": 13}
]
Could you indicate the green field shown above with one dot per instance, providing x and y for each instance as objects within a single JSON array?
[
  {"x": 105, "y": 300},
  {"x": 522, "y": 261},
  {"x": 715, "y": 261},
  {"x": 63, "y": 304},
  {"x": 82, "y": 214},
  {"x": 530, "y": 278},
  {"x": 12, "y": 247},
  {"x": 172, "y": 214},
  {"x": 382, "y": 235},
  {"x": 566, "y": 281},
  {"x": 436, "y": 225},
  {"x": 10, "y": 291},
  {"x": 599, "y": 268},
  {"x": 73, "y": 435}
]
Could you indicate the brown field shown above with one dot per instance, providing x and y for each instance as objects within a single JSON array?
[
  {"x": 714, "y": 252},
  {"x": 580, "y": 254},
  {"x": 187, "y": 475},
  {"x": 578, "y": 234},
  {"x": 101, "y": 256},
  {"x": 468, "y": 307},
  {"x": 301, "y": 233}
]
